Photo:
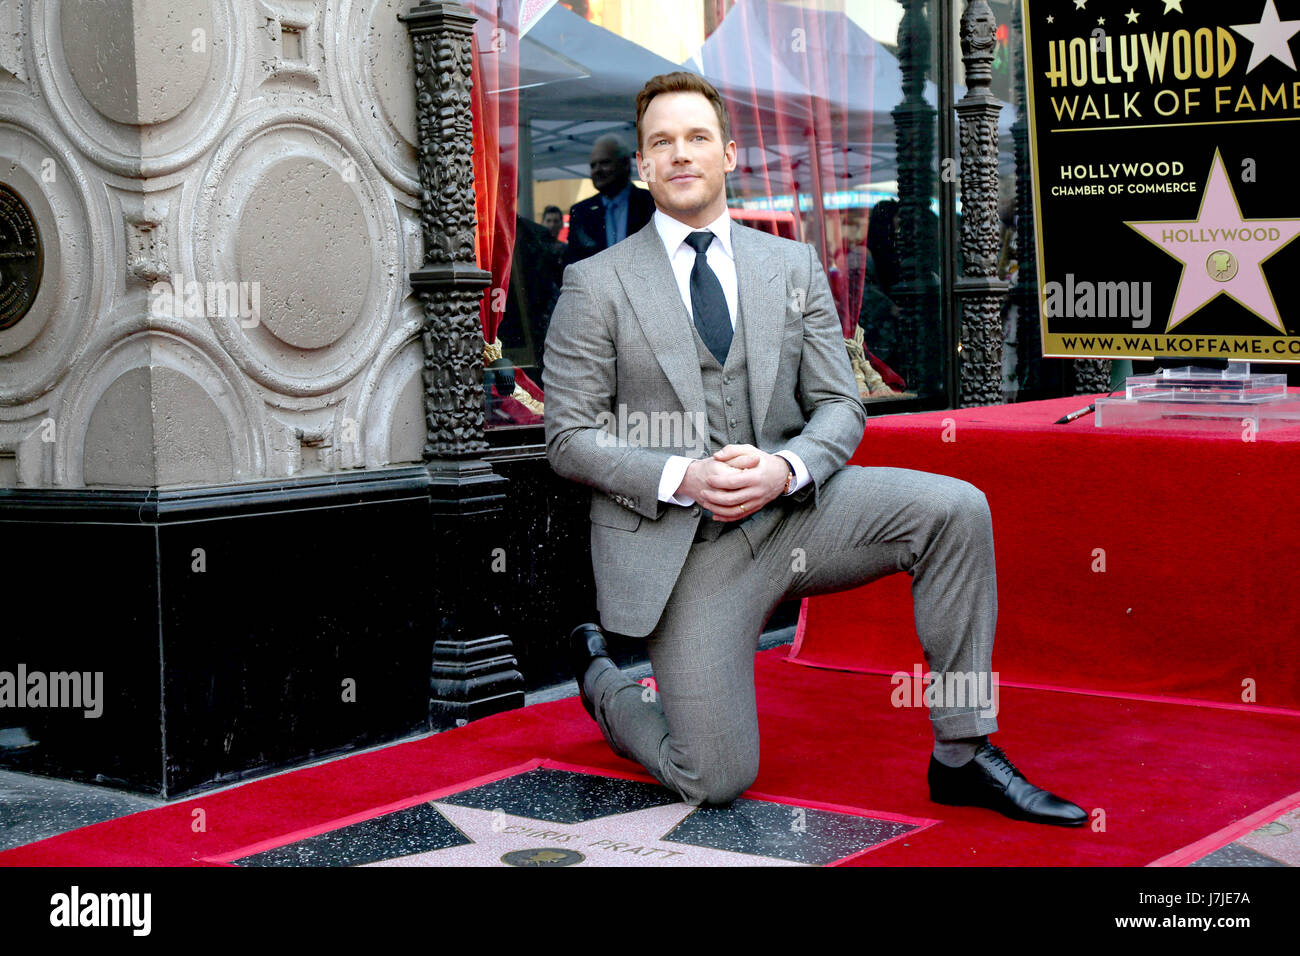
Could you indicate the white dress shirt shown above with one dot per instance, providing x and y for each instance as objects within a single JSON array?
[{"x": 722, "y": 260}]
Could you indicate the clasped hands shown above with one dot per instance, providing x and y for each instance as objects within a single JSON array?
[{"x": 735, "y": 482}]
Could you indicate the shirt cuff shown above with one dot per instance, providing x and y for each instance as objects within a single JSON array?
[
  {"x": 671, "y": 480},
  {"x": 801, "y": 473}
]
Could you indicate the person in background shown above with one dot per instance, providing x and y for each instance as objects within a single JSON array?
[
  {"x": 553, "y": 220},
  {"x": 619, "y": 210}
]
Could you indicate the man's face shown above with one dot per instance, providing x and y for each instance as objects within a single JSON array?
[
  {"x": 609, "y": 170},
  {"x": 683, "y": 158},
  {"x": 554, "y": 221}
]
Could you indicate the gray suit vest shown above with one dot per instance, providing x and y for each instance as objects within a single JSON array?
[{"x": 726, "y": 397}]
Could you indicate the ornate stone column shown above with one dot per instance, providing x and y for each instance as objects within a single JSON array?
[
  {"x": 913, "y": 348},
  {"x": 978, "y": 289},
  {"x": 450, "y": 283},
  {"x": 1029, "y": 340},
  {"x": 1091, "y": 376},
  {"x": 474, "y": 671},
  {"x": 1035, "y": 372}
]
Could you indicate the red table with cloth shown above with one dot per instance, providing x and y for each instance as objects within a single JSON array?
[{"x": 1152, "y": 562}]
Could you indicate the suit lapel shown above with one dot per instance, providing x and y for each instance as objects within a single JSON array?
[
  {"x": 762, "y": 309},
  {"x": 652, "y": 290}
]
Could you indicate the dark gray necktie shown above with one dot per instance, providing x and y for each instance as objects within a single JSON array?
[{"x": 708, "y": 303}]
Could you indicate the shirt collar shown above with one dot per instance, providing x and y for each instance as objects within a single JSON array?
[{"x": 673, "y": 232}]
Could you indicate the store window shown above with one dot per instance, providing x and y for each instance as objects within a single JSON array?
[
  {"x": 834, "y": 107},
  {"x": 1027, "y": 375}
]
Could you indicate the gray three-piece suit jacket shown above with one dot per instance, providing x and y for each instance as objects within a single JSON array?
[{"x": 622, "y": 348}]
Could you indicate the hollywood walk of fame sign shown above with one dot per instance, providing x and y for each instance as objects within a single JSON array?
[
  {"x": 1166, "y": 212},
  {"x": 539, "y": 814}
]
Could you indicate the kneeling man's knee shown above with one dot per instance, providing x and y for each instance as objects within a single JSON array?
[
  {"x": 720, "y": 785},
  {"x": 724, "y": 790},
  {"x": 964, "y": 500}
]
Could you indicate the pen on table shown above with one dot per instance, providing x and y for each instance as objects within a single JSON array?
[{"x": 1065, "y": 420}]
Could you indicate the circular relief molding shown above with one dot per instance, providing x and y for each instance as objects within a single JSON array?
[
  {"x": 378, "y": 402},
  {"x": 37, "y": 349},
  {"x": 292, "y": 217},
  {"x": 315, "y": 274},
  {"x": 369, "y": 65},
  {"x": 139, "y": 100},
  {"x": 134, "y": 339}
]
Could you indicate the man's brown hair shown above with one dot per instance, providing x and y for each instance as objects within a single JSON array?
[{"x": 680, "y": 82}]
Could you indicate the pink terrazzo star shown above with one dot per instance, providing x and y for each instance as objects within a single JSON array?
[{"x": 623, "y": 839}]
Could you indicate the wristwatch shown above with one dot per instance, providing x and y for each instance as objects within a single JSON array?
[{"x": 789, "y": 479}]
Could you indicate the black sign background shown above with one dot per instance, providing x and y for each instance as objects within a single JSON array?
[{"x": 1085, "y": 236}]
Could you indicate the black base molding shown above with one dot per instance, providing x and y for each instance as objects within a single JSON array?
[
  {"x": 235, "y": 630},
  {"x": 472, "y": 679},
  {"x": 331, "y": 613}
]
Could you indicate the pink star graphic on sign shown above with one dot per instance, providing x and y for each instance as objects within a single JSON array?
[{"x": 1221, "y": 252}]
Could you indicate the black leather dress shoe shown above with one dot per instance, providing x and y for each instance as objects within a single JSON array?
[
  {"x": 586, "y": 643},
  {"x": 990, "y": 780}
]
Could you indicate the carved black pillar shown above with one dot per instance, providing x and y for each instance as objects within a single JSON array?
[
  {"x": 914, "y": 345},
  {"x": 1029, "y": 337},
  {"x": 979, "y": 289},
  {"x": 1091, "y": 376},
  {"x": 474, "y": 670}
]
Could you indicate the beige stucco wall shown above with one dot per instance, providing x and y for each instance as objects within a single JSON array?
[{"x": 258, "y": 149}]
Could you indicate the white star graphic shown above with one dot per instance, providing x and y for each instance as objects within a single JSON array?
[
  {"x": 1270, "y": 37},
  {"x": 620, "y": 839},
  {"x": 1101, "y": 21},
  {"x": 1173, "y": 5},
  {"x": 1080, "y": 4},
  {"x": 1051, "y": 19},
  {"x": 1132, "y": 16}
]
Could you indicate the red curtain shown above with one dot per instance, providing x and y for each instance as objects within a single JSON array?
[{"x": 495, "y": 102}]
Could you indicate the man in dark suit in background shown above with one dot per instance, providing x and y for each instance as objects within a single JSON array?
[{"x": 620, "y": 209}]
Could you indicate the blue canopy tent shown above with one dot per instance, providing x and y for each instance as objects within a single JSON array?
[
  {"x": 862, "y": 85},
  {"x": 577, "y": 82}
]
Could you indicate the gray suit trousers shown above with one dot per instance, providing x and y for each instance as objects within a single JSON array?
[{"x": 698, "y": 735}]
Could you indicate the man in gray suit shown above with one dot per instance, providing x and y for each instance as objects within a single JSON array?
[{"x": 697, "y": 380}]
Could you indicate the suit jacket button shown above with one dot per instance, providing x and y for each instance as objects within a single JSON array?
[{"x": 695, "y": 512}]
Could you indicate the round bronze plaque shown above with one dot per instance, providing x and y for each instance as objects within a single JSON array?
[
  {"x": 21, "y": 259},
  {"x": 543, "y": 856}
]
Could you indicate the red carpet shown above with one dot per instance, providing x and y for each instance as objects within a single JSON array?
[
  {"x": 1165, "y": 775},
  {"x": 1198, "y": 536}
]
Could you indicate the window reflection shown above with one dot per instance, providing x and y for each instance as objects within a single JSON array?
[{"x": 833, "y": 106}]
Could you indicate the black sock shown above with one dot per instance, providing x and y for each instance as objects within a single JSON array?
[{"x": 955, "y": 753}]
